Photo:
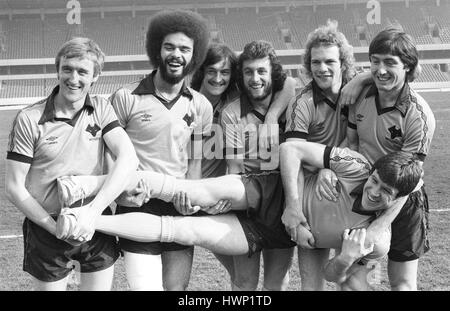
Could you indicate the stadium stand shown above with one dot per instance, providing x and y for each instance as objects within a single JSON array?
[
  {"x": 36, "y": 36},
  {"x": 32, "y": 37},
  {"x": 43, "y": 87}
]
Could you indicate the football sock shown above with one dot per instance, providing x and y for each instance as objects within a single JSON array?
[{"x": 167, "y": 229}]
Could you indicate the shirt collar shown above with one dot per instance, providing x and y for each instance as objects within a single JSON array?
[
  {"x": 147, "y": 87},
  {"x": 319, "y": 96},
  {"x": 49, "y": 111},
  {"x": 403, "y": 101}
]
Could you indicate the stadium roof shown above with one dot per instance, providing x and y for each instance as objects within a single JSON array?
[
  {"x": 6, "y": 5},
  {"x": 58, "y": 4}
]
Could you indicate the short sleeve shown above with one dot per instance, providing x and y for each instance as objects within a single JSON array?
[
  {"x": 107, "y": 116},
  {"x": 298, "y": 117},
  {"x": 21, "y": 139},
  {"x": 120, "y": 101},
  {"x": 419, "y": 132},
  {"x": 346, "y": 162}
]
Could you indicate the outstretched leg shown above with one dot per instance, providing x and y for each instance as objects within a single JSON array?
[
  {"x": 201, "y": 192},
  {"x": 222, "y": 234}
]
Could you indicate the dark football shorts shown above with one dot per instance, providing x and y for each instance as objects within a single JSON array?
[
  {"x": 262, "y": 221},
  {"x": 410, "y": 229},
  {"x": 49, "y": 259}
]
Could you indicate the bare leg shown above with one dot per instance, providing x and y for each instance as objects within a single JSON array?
[
  {"x": 143, "y": 271},
  {"x": 246, "y": 272},
  {"x": 222, "y": 234},
  {"x": 403, "y": 275},
  {"x": 311, "y": 263},
  {"x": 60, "y": 285},
  {"x": 277, "y": 263},
  {"x": 202, "y": 192},
  {"x": 97, "y": 281},
  {"x": 177, "y": 266}
]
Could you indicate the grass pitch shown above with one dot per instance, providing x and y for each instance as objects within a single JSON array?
[{"x": 207, "y": 273}]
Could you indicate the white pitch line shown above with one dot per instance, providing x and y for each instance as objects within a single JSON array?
[
  {"x": 440, "y": 210},
  {"x": 10, "y": 236}
]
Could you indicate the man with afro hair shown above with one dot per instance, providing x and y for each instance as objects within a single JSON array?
[{"x": 164, "y": 119}]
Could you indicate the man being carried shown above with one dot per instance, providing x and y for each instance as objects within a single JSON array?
[{"x": 391, "y": 179}]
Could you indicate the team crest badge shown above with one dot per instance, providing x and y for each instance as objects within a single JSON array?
[
  {"x": 395, "y": 132},
  {"x": 188, "y": 119},
  {"x": 93, "y": 129}
]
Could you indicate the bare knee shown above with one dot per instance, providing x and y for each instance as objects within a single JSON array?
[
  {"x": 276, "y": 284},
  {"x": 177, "y": 267},
  {"x": 403, "y": 284},
  {"x": 245, "y": 283},
  {"x": 403, "y": 275}
]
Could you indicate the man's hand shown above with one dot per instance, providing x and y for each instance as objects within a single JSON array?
[
  {"x": 353, "y": 245},
  {"x": 85, "y": 224},
  {"x": 182, "y": 204},
  {"x": 221, "y": 207},
  {"x": 350, "y": 92},
  {"x": 327, "y": 185},
  {"x": 304, "y": 237},
  {"x": 136, "y": 197},
  {"x": 292, "y": 218}
]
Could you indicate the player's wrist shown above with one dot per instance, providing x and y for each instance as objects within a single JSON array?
[{"x": 346, "y": 259}]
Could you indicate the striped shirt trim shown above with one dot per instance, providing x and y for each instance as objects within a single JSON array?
[
  {"x": 305, "y": 90},
  {"x": 423, "y": 116},
  {"x": 296, "y": 134},
  {"x": 326, "y": 157},
  {"x": 351, "y": 159},
  {"x": 18, "y": 157},
  {"x": 351, "y": 125},
  {"x": 110, "y": 127}
]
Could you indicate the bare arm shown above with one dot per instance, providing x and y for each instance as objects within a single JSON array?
[
  {"x": 337, "y": 269},
  {"x": 125, "y": 163},
  {"x": 293, "y": 153},
  {"x": 277, "y": 108},
  {"x": 16, "y": 192},
  {"x": 280, "y": 101},
  {"x": 352, "y": 90}
]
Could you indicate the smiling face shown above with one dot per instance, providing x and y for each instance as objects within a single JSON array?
[
  {"x": 326, "y": 67},
  {"x": 75, "y": 76},
  {"x": 388, "y": 72},
  {"x": 257, "y": 78},
  {"x": 176, "y": 56},
  {"x": 217, "y": 78},
  {"x": 377, "y": 195}
]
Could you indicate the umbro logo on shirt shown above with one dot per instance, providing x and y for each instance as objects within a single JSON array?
[
  {"x": 146, "y": 117},
  {"x": 93, "y": 129},
  {"x": 51, "y": 140},
  {"x": 395, "y": 132},
  {"x": 359, "y": 117}
]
